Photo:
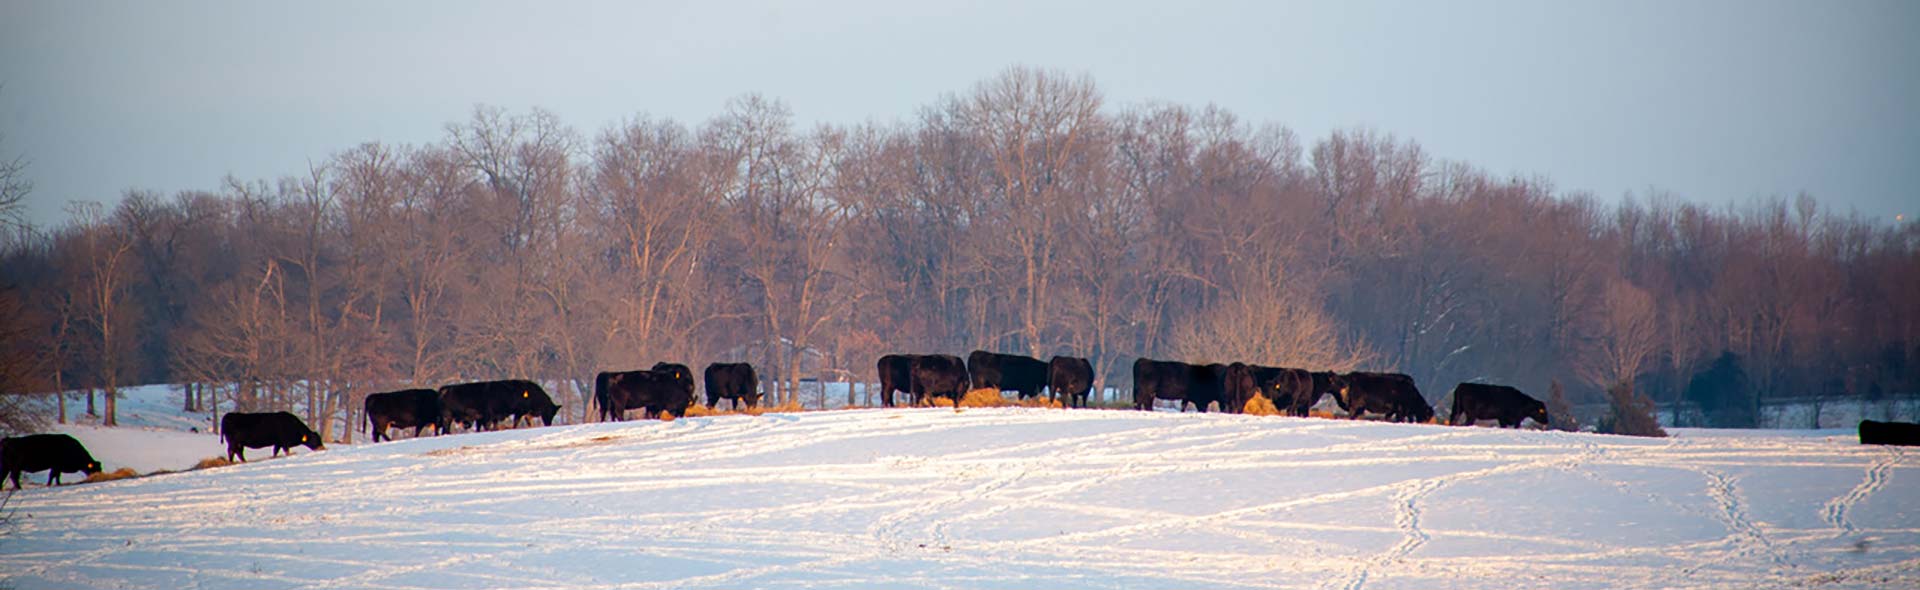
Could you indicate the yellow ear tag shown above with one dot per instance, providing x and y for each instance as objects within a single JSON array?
[{"x": 526, "y": 393}]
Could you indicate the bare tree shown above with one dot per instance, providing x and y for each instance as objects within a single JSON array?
[
  {"x": 1036, "y": 127},
  {"x": 14, "y": 187},
  {"x": 104, "y": 281},
  {"x": 1627, "y": 333}
]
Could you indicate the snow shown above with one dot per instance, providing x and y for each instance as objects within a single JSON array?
[{"x": 987, "y": 498}]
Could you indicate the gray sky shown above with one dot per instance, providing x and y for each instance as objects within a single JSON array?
[{"x": 1716, "y": 102}]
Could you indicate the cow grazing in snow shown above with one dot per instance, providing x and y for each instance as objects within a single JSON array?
[
  {"x": 482, "y": 405},
  {"x": 407, "y": 408},
  {"x": 281, "y": 430},
  {"x": 1480, "y": 401},
  {"x": 939, "y": 375},
  {"x": 734, "y": 381},
  {"x": 1069, "y": 379},
  {"x": 1173, "y": 380},
  {"x": 1889, "y": 433},
  {"x": 654, "y": 392},
  {"x": 1393, "y": 394},
  {"x": 896, "y": 374},
  {"x": 52, "y": 453},
  {"x": 1000, "y": 372}
]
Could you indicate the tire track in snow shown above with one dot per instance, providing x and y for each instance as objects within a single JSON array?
[{"x": 1835, "y": 511}]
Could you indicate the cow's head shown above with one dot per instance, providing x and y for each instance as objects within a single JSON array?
[
  {"x": 312, "y": 440},
  {"x": 1541, "y": 415},
  {"x": 1422, "y": 412},
  {"x": 546, "y": 416},
  {"x": 91, "y": 468}
]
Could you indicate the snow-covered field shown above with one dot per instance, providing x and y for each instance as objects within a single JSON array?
[{"x": 1000, "y": 498}]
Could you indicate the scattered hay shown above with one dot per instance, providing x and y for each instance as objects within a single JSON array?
[
  {"x": 985, "y": 398},
  {"x": 701, "y": 411},
  {"x": 792, "y": 406},
  {"x": 1320, "y": 414},
  {"x": 211, "y": 462},
  {"x": 1259, "y": 405},
  {"x": 1039, "y": 402},
  {"x": 121, "y": 473}
]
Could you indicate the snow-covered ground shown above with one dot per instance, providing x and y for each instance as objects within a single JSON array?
[{"x": 999, "y": 498}]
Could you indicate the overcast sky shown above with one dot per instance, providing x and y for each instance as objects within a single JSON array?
[{"x": 1716, "y": 102}]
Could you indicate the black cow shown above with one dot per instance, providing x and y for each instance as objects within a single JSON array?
[
  {"x": 600, "y": 399},
  {"x": 1243, "y": 381},
  {"x": 652, "y": 391},
  {"x": 1173, "y": 380},
  {"x": 896, "y": 374},
  {"x": 1295, "y": 391},
  {"x": 52, "y": 453},
  {"x": 281, "y": 430},
  {"x": 1000, "y": 372},
  {"x": 734, "y": 381},
  {"x": 939, "y": 375},
  {"x": 1070, "y": 379},
  {"x": 407, "y": 408},
  {"x": 482, "y": 405},
  {"x": 1479, "y": 401},
  {"x": 1875, "y": 433},
  {"x": 1393, "y": 394},
  {"x": 534, "y": 401}
]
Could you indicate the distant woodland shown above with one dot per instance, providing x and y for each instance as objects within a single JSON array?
[{"x": 1023, "y": 214}]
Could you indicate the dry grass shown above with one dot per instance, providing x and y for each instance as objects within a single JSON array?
[
  {"x": 1320, "y": 414},
  {"x": 1259, "y": 405},
  {"x": 121, "y": 473}
]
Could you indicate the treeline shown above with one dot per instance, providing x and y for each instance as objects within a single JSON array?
[{"x": 1021, "y": 215}]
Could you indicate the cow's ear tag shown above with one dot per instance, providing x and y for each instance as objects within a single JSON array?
[{"x": 525, "y": 393}]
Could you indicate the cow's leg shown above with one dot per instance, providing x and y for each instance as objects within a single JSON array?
[
  {"x": 53, "y": 477},
  {"x": 15, "y": 475}
]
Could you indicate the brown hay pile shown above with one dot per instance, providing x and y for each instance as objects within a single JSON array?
[
  {"x": 121, "y": 473},
  {"x": 698, "y": 410},
  {"x": 212, "y": 462},
  {"x": 1259, "y": 405},
  {"x": 985, "y": 398}
]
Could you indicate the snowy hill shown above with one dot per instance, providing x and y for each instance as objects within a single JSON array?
[{"x": 1000, "y": 498}]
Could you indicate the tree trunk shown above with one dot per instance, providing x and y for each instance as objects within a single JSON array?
[{"x": 113, "y": 393}]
